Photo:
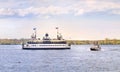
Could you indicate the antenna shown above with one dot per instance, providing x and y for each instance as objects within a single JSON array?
[{"x": 57, "y": 30}]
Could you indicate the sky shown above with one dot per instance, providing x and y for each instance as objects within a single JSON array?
[{"x": 76, "y": 19}]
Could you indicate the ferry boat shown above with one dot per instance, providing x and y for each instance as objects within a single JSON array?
[{"x": 46, "y": 43}]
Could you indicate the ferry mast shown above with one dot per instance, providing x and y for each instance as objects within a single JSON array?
[
  {"x": 34, "y": 35},
  {"x": 57, "y": 32}
]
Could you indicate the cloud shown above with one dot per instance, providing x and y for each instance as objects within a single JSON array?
[
  {"x": 52, "y": 10},
  {"x": 46, "y": 17},
  {"x": 6, "y": 11},
  {"x": 95, "y": 6},
  {"x": 76, "y": 8},
  {"x": 116, "y": 12}
]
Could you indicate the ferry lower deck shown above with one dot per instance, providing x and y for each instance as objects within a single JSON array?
[{"x": 45, "y": 46}]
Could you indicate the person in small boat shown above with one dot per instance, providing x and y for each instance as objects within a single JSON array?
[{"x": 96, "y": 44}]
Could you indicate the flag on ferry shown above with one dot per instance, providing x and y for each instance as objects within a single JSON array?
[
  {"x": 56, "y": 27},
  {"x": 34, "y": 28}
]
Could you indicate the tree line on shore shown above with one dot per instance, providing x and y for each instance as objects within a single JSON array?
[
  {"x": 12, "y": 41},
  {"x": 73, "y": 42},
  {"x": 101, "y": 42}
]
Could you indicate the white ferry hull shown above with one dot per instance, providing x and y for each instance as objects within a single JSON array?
[{"x": 45, "y": 46}]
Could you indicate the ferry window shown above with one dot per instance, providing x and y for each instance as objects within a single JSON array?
[{"x": 33, "y": 45}]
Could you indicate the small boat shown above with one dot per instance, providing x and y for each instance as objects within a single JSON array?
[
  {"x": 46, "y": 43},
  {"x": 95, "y": 47}
]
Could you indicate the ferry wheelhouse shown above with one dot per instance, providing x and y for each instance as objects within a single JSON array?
[{"x": 46, "y": 42}]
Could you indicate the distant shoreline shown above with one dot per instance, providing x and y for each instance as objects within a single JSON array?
[{"x": 72, "y": 42}]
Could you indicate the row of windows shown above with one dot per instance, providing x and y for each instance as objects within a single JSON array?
[
  {"x": 47, "y": 45},
  {"x": 47, "y": 42}
]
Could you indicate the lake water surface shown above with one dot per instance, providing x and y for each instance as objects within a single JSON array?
[{"x": 78, "y": 59}]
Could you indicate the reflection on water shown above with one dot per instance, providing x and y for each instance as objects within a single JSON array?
[{"x": 78, "y": 59}]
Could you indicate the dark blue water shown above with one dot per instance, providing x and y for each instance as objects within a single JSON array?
[{"x": 78, "y": 59}]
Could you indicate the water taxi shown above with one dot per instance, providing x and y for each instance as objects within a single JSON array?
[{"x": 95, "y": 47}]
